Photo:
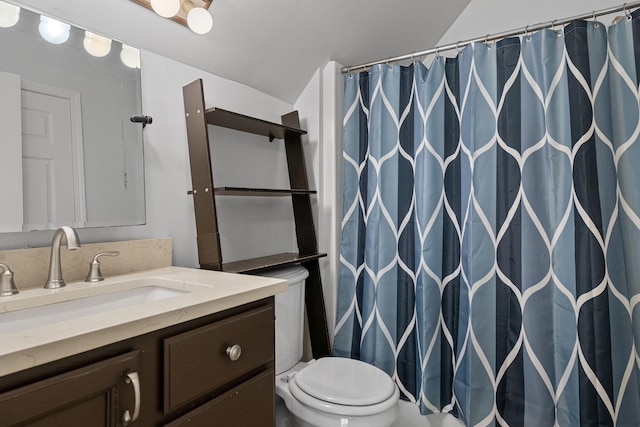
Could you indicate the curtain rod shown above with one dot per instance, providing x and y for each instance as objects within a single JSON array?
[{"x": 499, "y": 36}]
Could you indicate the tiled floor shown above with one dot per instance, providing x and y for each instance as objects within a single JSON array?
[{"x": 409, "y": 417}]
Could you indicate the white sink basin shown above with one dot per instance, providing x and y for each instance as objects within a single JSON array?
[{"x": 139, "y": 292}]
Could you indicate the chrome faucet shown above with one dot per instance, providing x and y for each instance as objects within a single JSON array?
[{"x": 55, "y": 279}]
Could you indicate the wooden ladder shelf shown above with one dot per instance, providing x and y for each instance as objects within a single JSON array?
[{"x": 204, "y": 198}]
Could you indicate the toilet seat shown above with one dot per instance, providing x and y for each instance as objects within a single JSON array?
[{"x": 344, "y": 387}]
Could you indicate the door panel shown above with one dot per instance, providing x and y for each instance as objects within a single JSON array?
[{"x": 95, "y": 395}]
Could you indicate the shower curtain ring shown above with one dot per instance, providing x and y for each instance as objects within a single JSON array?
[
  {"x": 526, "y": 33},
  {"x": 458, "y": 48},
  {"x": 487, "y": 42},
  {"x": 437, "y": 53},
  {"x": 626, "y": 12}
]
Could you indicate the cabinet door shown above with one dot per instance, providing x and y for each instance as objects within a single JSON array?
[
  {"x": 249, "y": 404},
  {"x": 95, "y": 395}
]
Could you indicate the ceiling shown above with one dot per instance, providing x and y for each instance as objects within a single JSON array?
[{"x": 274, "y": 46}]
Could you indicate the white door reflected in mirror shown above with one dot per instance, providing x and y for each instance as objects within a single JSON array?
[
  {"x": 52, "y": 157},
  {"x": 44, "y": 155}
]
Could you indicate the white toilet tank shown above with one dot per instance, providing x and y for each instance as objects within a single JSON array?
[{"x": 289, "y": 317}]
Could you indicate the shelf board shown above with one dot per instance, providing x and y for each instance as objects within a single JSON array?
[
  {"x": 261, "y": 192},
  {"x": 255, "y": 264},
  {"x": 231, "y": 120}
]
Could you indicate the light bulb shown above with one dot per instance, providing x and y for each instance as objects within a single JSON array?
[
  {"x": 53, "y": 31},
  {"x": 130, "y": 56},
  {"x": 9, "y": 15},
  {"x": 199, "y": 20},
  {"x": 96, "y": 45},
  {"x": 166, "y": 8}
]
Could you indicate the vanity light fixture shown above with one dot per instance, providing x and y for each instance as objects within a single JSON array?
[
  {"x": 9, "y": 15},
  {"x": 53, "y": 31},
  {"x": 191, "y": 13},
  {"x": 198, "y": 18},
  {"x": 96, "y": 45}
]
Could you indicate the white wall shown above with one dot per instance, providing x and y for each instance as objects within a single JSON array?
[
  {"x": 169, "y": 208},
  {"x": 482, "y": 17},
  {"x": 167, "y": 171}
]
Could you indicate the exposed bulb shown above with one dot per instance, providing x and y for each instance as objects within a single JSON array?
[
  {"x": 166, "y": 8},
  {"x": 53, "y": 31},
  {"x": 96, "y": 44},
  {"x": 9, "y": 15},
  {"x": 130, "y": 56},
  {"x": 199, "y": 20}
]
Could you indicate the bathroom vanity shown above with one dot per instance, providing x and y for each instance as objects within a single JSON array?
[{"x": 202, "y": 355}]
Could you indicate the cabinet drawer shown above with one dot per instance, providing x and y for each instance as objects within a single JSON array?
[
  {"x": 250, "y": 403},
  {"x": 196, "y": 362}
]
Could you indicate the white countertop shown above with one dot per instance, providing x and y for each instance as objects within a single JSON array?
[{"x": 207, "y": 292}]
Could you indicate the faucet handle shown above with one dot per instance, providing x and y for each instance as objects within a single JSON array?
[
  {"x": 95, "y": 275},
  {"x": 7, "y": 285}
]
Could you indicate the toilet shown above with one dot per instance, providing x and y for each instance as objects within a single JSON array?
[{"x": 331, "y": 391}]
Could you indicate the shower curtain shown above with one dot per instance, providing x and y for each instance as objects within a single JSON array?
[{"x": 490, "y": 252}]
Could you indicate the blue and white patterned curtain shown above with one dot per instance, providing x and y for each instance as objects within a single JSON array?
[{"x": 490, "y": 255}]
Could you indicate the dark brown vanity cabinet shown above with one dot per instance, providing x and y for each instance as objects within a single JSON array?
[{"x": 217, "y": 370}]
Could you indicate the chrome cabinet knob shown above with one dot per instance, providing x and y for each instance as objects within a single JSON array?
[{"x": 234, "y": 352}]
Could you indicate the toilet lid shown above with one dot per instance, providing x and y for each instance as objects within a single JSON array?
[{"x": 345, "y": 382}]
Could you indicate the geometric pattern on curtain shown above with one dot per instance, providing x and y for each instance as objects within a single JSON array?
[{"x": 490, "y": 251}]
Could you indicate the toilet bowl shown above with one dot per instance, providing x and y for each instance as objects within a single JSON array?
[
  {"x": 330, "y": 391},
  {"x": 335, "y": 391}
]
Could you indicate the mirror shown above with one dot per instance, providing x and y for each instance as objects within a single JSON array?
[{"x": 70, "y": 153}]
